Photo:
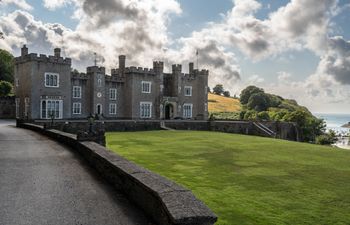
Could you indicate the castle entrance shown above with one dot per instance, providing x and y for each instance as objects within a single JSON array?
[{"x": 169, "y": 111}]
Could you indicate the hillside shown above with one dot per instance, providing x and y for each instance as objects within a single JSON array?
[
  {"x": 217, "y": 103},
  {"x": 248, "y": 179}
]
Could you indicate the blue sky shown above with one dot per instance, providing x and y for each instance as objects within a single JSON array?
[{"x": 296, "y": 49}]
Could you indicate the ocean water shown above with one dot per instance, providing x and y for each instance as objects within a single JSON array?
[{"x": 334, "y": 122}]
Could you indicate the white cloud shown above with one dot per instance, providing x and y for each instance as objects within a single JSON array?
[{"x": 22, "y": 4}]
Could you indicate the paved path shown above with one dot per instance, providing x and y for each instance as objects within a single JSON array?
[{"x": 44, "y": 183}]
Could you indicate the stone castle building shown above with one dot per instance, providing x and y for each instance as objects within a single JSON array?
[{"x": 46, "y": 88}]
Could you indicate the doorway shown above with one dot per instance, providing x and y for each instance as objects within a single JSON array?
[
  {"x": 169, "y": 111},
  {"x": 99, "y": 109}
]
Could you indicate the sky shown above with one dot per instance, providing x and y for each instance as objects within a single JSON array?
[{"x": 297, "y": 49}]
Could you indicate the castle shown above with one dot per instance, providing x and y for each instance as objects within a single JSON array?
[{"x": 47, "y": 88}]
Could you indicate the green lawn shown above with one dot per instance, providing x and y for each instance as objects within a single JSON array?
[{"x": 247, "y": 179}]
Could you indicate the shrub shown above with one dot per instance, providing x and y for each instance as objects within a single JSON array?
[
  {"x": 218, "y": 89},
  {"x": 264, "y": 116},
  {"x": 327, "y": 138},
  {"x": 5, "y": 88}
]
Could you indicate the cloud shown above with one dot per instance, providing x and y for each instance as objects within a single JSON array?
[
  {"x": 55, "y": 4},
  {"x": 22, "y": 4}
]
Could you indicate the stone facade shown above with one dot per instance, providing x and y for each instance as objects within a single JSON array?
[{"x": 46, "y": 88}]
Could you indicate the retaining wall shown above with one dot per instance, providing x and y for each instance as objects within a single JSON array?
[
  {"x": 163, "y": 200},
  {"x": 283, "y": 130}
]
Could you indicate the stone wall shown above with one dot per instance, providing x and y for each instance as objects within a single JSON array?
[
  {"x": 166, "y": 202},
  {"x": 7, "y": 107},
  {"x": 283, "y": 130}
]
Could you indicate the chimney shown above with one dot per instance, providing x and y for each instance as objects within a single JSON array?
[
  {"x": 24, "y": 50},
  {"x": 191, "y": 65},
  {"x": 57, "y": 52},
  {"x": 122, "y": 59}
]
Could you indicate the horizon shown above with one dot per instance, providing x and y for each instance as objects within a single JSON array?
[{"x": 297, "y": 54}]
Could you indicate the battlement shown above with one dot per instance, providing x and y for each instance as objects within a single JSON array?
[
  {"x": 177, "y": 68},
  {"x": 26, "y": 57},
  {"x": 79, "y": 76},
  {"x": 43, "y": 58},
  {"x": 96, "y": 69},
  {"x": 112, "y": 78},
  {"x": 134, "y": 69}
]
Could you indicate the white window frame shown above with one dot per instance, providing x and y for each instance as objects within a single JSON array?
[
  {"x": 18, "y": 100},
  {"x": 47, "y": 116},
  {"x": 187, "y": 114},
  {"x": 144, "y": 84},
  {"x": 76, "y": 89},
  {"x": 17, "y": 82},
  {"x": 113, "y": 109},
  {"x": 112, "y": 94},
  {"x": 144, "y": 112},
  {"x": 26, "y": 106},
  {"x": 48, "y": 75},
  {"x": 190, "y": 90},
  {"x": 76, "y": 108}
]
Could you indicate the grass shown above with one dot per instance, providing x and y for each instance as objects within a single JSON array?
[
  {"x": 218, "y": 103},
  {"x": 247, "y": 179}
]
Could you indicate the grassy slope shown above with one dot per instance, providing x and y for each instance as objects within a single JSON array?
[
  {"x": 219, "y": 103},
  {"x": 247, "y": 179}
]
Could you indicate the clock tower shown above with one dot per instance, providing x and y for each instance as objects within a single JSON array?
[{"x": 97, "y": 78}]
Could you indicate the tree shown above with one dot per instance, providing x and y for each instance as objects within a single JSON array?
[
  {"x": 327, "y": 138},
  {"x": 258, "y": 101},
  {"x": 6, "y": 66},
  {"x": 218, "y": 89},
  {"x": 5, "y": 88},
  {"x": 226, "y": 94},
  {"x": 263, "y": 116},
  {"x": 209, "y": 91},
  {"x": 247, "y": 92}
]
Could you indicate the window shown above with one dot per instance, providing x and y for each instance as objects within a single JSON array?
[
  {"x": 113, "y": 94},
  {"x": 76, "y": 92},
  {"x": 17, "y": 107},
  {"x": 187, "y": 110},
  {"x": 51, "y": 80},
  {"x": 205, "y": 107},
  {"x": 17, "y": 82},
  {"x": 188, "y": 90},
  {"x": 26, "y": 106},
  {"x": 51, "y": 108},
  {"x": 146, "y": 87},
  {"x": 99, "y": 83},
  {"x": 145, "y": 109},
  {"x": 76, "y": 108},
  {"x": 113, "y": 109}
]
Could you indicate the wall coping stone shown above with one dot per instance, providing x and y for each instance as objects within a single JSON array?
[{"x": 166, "y": 202}]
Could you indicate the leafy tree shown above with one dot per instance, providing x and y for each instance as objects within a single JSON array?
[
  {"x": 274, "y": 100},
  {"x": 327, "y": 138},
  {"x": 209, "y": 90},
  {"x": 218, "y": 89},
  {"x": 5, "y": 88},
  {"x": 250, "y": 115},
  {"x": 226, "y": 94},
  {"x": 263, "y": 116},
  {"x": 258, "y": 101},
  {"x": 6, "y": 66},
  {"x": 247, "y": 92}
]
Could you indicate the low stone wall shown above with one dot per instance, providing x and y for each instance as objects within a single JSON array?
[
  {"x": 163, "y": 200},
  {"x": 7, "y": 107},
  {"x": 283, "y": 130}
]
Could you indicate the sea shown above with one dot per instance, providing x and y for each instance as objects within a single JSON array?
[{"x": 335, "y": 122}]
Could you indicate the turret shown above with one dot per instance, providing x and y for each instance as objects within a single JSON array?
[
  {"x": 191, "y": 65},
  {"x": 177, "y": 68},
  {"x": 57, "y": 52},
  {"x": 24, "y": 50},
  {"x": 158, "y": 67}
]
